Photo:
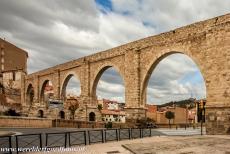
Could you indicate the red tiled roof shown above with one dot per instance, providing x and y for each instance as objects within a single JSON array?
[
  {"x": 112, "y": 112},
  {"x": 151, "y": 108}
]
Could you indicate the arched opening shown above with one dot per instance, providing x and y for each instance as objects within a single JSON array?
[
  {"x": 174, "y": 83},
  {"x": 108, "y": 89},
  {"x": 30, "y": 94},
  {"x": 92, "y": 116},
  {"x": 62, "y": 114},
  {"x": 47, "y": 92},
  {"x": 71, "y": 87},
  {"x": 40, "y": 114}
]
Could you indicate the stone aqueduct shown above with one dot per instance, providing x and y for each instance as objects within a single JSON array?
[{"x": 206, "y": 42}]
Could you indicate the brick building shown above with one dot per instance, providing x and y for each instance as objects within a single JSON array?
[
  {"x": 151, "y": 111},
  {"x": 181, "y": 114},
  {"x": 13, "y": 68}
]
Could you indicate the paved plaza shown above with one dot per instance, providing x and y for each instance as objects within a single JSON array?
[
  {"x": 181, "y": 145},
  {"x": 161, "y": 145}
]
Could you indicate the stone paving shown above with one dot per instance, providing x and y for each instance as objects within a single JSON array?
[
  {"x": 160, "y": 145},
  {"x": 182, "y": 145}
]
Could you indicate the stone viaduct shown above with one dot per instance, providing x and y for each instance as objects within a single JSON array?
[{"x": 206, "y": 42}]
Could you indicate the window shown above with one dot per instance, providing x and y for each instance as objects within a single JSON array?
[{"x": 14, "y": 74}]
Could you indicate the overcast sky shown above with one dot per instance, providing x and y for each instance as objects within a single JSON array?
[{"x": 56, "y": 31}]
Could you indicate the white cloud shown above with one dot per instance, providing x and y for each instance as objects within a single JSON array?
[
  {"x": 73, "y": 87},
  {"x": 167, "y": 14},
  {"x": 117, "y": 29},
  {"x": 66, "y": 30},
  {"x": 176, "y": 77}
]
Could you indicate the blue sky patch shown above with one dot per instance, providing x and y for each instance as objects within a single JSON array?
[
  {"x": 105, "y": 6},
  {"x": 193, "y": 77}
]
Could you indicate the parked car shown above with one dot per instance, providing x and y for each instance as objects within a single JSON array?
[{"x": 146, "y": 125}]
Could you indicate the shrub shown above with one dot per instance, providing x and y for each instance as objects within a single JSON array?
[{"x": 109, "y": 125}]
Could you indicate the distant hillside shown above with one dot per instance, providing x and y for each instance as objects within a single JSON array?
[{"x": 181, "y": 103}]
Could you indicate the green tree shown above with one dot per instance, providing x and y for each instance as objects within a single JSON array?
[{"x": 169, "y": 115}]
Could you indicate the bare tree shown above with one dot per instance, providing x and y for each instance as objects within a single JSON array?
[{"x": 73, "y": 106}]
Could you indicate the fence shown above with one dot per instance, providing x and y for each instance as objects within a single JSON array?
[
  {"x": 38, "y": 142},
  {"x": 56, "y": 140},
  {"x": 5, "y": 144}
]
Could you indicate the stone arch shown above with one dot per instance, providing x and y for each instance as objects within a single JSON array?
[
  {"x": 157, "y": 60},
  {"x": 98, "y": 75},
  {"x": 92, "y": 116},
  {"x": 65, "y": 83},
  {"x": 42, "y": 91},
  {"x": 30, "y": 94}
]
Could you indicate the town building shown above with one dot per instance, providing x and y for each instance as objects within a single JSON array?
[
  {"x": 112, "y": 111},
  {"x": 13, "y": 69},
  {"x": 181, "y": 115},
  {"x": 151, "y": 111},
  {"x": 113, "y": 116},
  {"x": 110, "y": 105}
]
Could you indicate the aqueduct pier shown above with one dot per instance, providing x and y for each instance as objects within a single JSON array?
[{"x": 206, "y": 42}]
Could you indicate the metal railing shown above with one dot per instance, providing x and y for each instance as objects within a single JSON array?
[
  {"x": 68, "y": 139},
  {"x": 6, "y": 144},
  {"x": 124, "y": 133},
  {"x": 56, "y": 140},
  {"x": 24, "y": 142},
  {"x": 146, "y": 132},
  {"x": 111, "y": 135},
  {"x": 136, "y": 133},
  {"x": 96, "y": 136},
  {"x": 77, "y": 138}
]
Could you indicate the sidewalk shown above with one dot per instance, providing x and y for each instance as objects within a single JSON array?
[{"x": 159, "y": 145}]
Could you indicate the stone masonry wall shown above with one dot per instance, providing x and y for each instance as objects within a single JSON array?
[{"x": 206, "y": 42}]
